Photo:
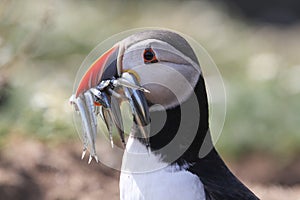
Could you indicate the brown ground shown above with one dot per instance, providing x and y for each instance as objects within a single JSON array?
[{"x": 33, "y": 170}]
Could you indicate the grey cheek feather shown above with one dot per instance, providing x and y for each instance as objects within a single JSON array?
[
  {"x": 171, "y": 81},
  {"x": 132, "y": 59},
  {"x": 170, "y": 84}
]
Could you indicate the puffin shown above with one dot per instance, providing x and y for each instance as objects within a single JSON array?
[{"x": 169, "y": 153}]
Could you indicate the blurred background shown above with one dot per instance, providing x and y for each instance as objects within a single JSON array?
[{"x": 255, "y": 45}]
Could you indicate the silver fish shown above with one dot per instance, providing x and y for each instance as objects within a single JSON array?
[
  {"x": 138, "y": 106},
  {"x": 85, "y": 106},
  {"x": 110, "y": 111}
]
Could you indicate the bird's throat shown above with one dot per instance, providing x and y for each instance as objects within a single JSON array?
[{"x": 185, "y": 126}]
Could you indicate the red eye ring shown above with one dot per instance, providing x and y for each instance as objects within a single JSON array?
[{"x": 149, "y": 56}]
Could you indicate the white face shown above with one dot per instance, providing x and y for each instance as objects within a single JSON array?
[{"x": 170, "y": 80}]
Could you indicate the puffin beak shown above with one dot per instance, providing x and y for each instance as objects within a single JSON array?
[
  {"x": 106, "y": 86},
  {"x": 105, "y": 65},
  {"x": 85, "y": 99}
]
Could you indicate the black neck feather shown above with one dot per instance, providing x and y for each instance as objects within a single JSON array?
[
  {"x": 219, "y": 183},
  {"x": 189, "y": 131}
]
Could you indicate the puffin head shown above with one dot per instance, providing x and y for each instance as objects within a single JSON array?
[{"x": 160, "y": 62}]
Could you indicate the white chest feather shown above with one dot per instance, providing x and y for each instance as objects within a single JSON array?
[{"x": 167, "y": 182}]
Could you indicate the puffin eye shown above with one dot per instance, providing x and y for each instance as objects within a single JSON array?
[{"x": 149, "y": 56}]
